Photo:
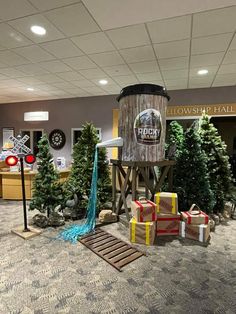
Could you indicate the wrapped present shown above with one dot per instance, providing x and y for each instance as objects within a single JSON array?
[
  {"x": 142, "y": 232},
  {"x": 167, "y": 203},
  {"x": 167, "y": 224},
  {"x": 195, "y": 232},
  {"x": 143, "y": 210},
  {"x": 195, "y": 216}
]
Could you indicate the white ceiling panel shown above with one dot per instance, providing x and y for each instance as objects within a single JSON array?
[
  {"x": 55, "y": 66},
  {"x": 62, "y": 48},
  {"x": 12, "y": 59},
  {"x": 10, "y": 38},
  {"x": 175, "y": 74},
  {"x": 195, "y": 82},
  {"x": 83, "y": 83},
  {"x": 12, "y": 72},
  {"x": 80, "y": 63},
  {"x": 214, "y": 22},
  {"x": 149, "y": 76},
  {"x": 139, "y": 54},
  {"x": 32, "y": 69},
  {"x": 173, "y": 49},
  {"x": 170, "y": 29},
  {"x": 73, "y": 20},
  {"x": 117, "y": 70},
  {"x": 62, "y": 85},
  {"x": 126, "y": 37},
  {"x": 212, "y": 69},
  {"x": 29, "y": 80},
  {"x": 15, "y": 8},
  {"x": 3, "y": 77},
  {"x": 93, "y": 73},
  {"x": 225, "y": 80},
  {"x": 227, "y": 69},
  {"x": 34, "y": 53},
  {"x": 211, "y": 44},
  {"x": 49, "y": 78},
  {"x": 93, "y": 43},
  {"x": 112, "y": 89},
  {"x": 45, "y": 5},
  {"x": 230, "y": 57},
  {"x": 70, "y": 76},
  {"x": 107, "y": 58},
  {"x": 23, "y": 25},
  {"x": 174, "y": 63},
  {"x": 144, "y": 67},
  {"x": 124, "y": 80},
  {"x": 176, "y": 84},
  {"x": 95, "y": 90},
  {"x": 233, "y": 44},
  {"x": 109, "y": 83},
  {"x": 206, "y": 59}
]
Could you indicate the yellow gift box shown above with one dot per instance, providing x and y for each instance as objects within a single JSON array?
[
  {"x": 142, "y": 232},
  {"x": 167, "y": 203}
]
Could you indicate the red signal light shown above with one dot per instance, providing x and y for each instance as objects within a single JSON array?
[
  {"x": 30, "y": 159},
  {"x": 11, "y": 160}
]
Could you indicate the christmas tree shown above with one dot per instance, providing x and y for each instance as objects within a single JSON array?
[
  {"x": 191, "y": 175},
  {"x": 219, "y": 169},
  {"x": 79, "y": 181},
  {"x": 175, "y": 138},
  {"x": 47, "y": 190}
]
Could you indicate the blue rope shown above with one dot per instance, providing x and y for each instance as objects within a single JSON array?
[{"x": 74, "y": 232}]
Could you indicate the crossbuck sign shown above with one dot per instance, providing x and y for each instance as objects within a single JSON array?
[{"x": 19, "y": 145}]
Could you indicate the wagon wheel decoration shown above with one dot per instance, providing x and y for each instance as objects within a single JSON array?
[{"x": 57, "y": 139}]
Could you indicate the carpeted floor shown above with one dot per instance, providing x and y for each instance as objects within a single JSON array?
[{"x": 45, "y": 275}]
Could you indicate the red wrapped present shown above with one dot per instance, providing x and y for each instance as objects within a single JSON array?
[
  {"x": 195, "y": 216},
  {"x": 143, "y": 210}
]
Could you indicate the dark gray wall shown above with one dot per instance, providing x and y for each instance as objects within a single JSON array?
[{"x": 73, "y": 112}]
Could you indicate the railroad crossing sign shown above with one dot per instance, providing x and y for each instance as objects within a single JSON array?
[{"x": 19, "y": 145}]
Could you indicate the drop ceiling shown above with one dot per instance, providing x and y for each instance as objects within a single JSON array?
[{"x": 126, "y": 42}]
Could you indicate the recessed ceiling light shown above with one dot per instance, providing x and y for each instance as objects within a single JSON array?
[
  {"x": 103, "y": 82},
  {"x": 30, "y": 89},
  {"x": 38, "y": 30},
  {"x": 202, "y": 72}
]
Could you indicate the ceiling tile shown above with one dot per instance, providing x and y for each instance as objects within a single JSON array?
[
  {"x": 212, "y": 69},
  {"x": 29, "y": 80},
  {"x": 233, "y": 44},
  {"x": 176, "y": 84},
  {"x": 23, "y": 25},
  {"x": 83, "y": 83},
  {"x": 180, "y": 48},
  {"x": 197, "y": 82},
  {"x": 70, "y": 76},
  {"x": 34, "y": 53},
  {"x": 109, "y": 83},
  {"x": 170, "y": 29},
  {"x": 15, "y": 8},
  {"x": 62, "y": 85},
  {"x": 144, "y": 67},
  {"x": 31, "y": 69},
  {"x": 3, "y": 65},
  {"x": 211, "y": 44},
  {"x": 206, "y": 59},
  {"x": 227, "y": 69},
  {"x": 174, "y": 63},
  {"x": 112, "y": 89},
  {"x": 93, "y": 73},
  {"x": 10, "y": 38},
  {"x": 149, "y": 76},
  {"x": 175, "y": 74},
  {"x": 55, "y": 66},
  {"x": 93, "y": 43},
  {"x": 3, "y": 77},
  {"x": 49, "y": 78},
  {"x": 12, "y": 59},
  {"x": 214, "y": 22},
  {"x": 62, "y": 48},
  {"x": 139, "y": 54},
  {"x": 95, "y": 90},
  {"x": 124, "y": 80},
  {"x": 117, "y": 70},
  {"x": 225, "y": 80},
  {"x": 126, "y": 37},
  {"x": 45, "y": 5},
  {"x": 230, "y": 57},
  {"x": 80, "y": 63},
  {"x": 73, "y": 20},
  {"x": 12, "y": 72},
  {"x": 107, "y": 58},
  {"x": 76, "y": 91}
]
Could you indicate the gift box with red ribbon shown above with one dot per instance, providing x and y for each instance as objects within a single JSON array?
[
  {"x": 195, "y": 216},
  {"x": 167, "y": 224},
  {"x": 143, "y": 210}
]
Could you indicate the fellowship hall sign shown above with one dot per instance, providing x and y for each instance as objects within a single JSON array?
[{"x": 193, "y": 111}]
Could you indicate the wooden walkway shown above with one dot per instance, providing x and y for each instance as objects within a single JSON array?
[{"x": 114, "y": 251}]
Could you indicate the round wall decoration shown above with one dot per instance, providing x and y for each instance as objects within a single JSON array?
[{"x": 57, "y": 139}]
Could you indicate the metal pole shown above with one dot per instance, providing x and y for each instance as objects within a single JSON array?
[{"x": 23, "y": 194}]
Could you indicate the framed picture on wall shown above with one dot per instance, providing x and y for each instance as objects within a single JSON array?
[
  {"x": 6, "y": 133},
  {"x": 76, "y": 133}
]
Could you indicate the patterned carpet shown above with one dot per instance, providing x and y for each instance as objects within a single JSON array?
[{"x": 44, "y": 275}]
